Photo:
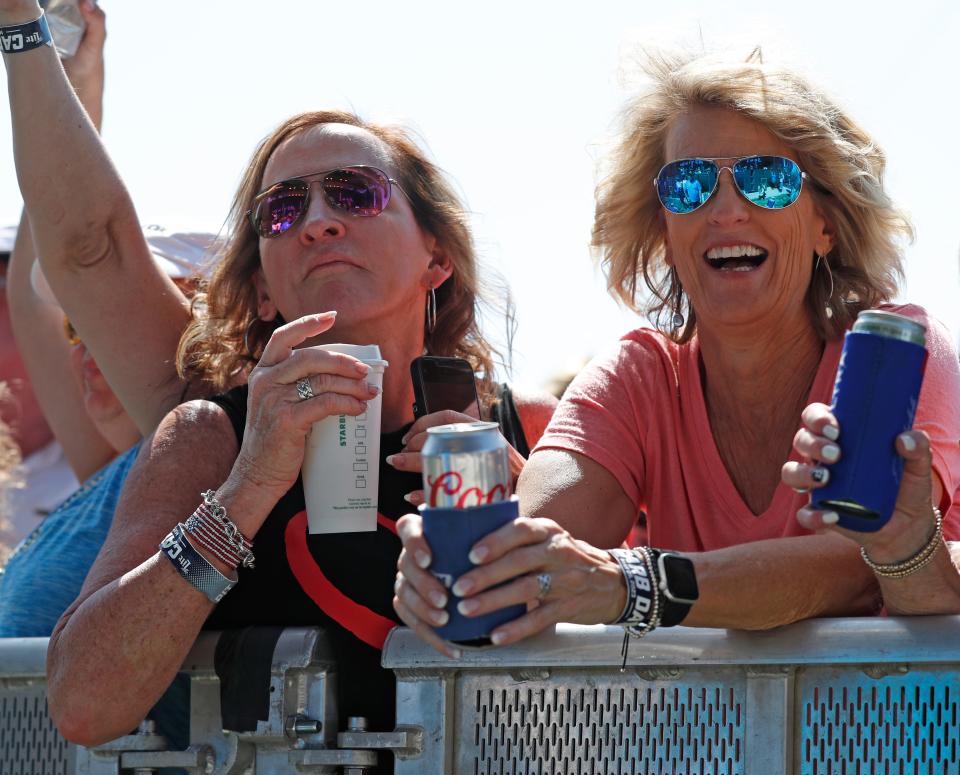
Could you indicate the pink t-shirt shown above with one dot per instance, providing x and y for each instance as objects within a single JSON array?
[{"x": 639, "y": 411}]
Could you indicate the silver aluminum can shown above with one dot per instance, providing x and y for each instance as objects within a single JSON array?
[{"x": 465, "y": 464}]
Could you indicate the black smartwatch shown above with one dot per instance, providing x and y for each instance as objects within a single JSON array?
[{"x": 677, "y": 581}]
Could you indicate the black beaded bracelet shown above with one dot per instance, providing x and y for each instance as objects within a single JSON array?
[{"x": 25, "y": 37}]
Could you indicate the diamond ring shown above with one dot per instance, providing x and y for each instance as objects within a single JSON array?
[
  {"x": 544, "y": 581},
  {"x": 303, "y": 389}
]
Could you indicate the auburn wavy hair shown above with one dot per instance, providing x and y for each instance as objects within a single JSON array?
[{"x": 226, "y": 337}]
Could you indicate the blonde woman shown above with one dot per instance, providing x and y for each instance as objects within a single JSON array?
[{"x": 752, "y": 208}]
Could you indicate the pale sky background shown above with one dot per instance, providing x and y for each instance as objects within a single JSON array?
[{"x": 515, "y": 101}]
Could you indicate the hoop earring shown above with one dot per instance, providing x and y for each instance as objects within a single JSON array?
[
  {"x": 431, "y": 311},
  {"x": 678, "y": 319},
  {"x": 828, "y": 309}
]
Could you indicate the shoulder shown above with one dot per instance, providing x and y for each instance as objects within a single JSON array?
[
  {"x": 641, "y": 359},
  {"x": 534, "y": 408},
  {"x": 194, "y": 436},
  {"x": 939, "y": 342}
]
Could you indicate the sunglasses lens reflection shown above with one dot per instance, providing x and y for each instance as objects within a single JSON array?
[
  {"x": 281, "y": 208},
  {"x": 772, "y": 182},
  {"x": 686, "y": 184},
  {"x": 361, "y": 192}
]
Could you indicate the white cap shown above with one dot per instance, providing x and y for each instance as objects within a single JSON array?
[{"x": 179, "y": 254}]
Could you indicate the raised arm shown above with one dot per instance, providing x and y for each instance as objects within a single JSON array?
[
  {"x": 38, "y": 325},
  {"x": 88, "y": 240}
]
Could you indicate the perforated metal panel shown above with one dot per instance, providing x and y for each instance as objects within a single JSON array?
[
  {"x": 29, "y": 742},
  {"x": 900, "y": 724},
  {"x": 585, "y": 723}
]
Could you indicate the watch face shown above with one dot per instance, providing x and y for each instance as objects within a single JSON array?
[{"x": 679, "y": 577}]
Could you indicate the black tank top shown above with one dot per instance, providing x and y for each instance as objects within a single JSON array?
[{"x": 341, "y": 582}]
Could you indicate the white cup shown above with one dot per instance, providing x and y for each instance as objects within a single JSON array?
[{"x": 341, "y": 464}]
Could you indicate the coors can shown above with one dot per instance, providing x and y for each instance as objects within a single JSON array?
[
  {"x": 465, "y": 464},
  {"x": 467, "y": 487}
]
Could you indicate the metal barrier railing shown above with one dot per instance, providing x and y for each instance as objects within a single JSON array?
[{"x": 830, "y": 697}]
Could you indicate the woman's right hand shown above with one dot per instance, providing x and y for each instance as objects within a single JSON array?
[{"x": 278, "y": 420}]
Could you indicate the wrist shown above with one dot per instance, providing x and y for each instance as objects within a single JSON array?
[
  {"x": 616, "y": 599},
  {"x": 22, "y": 13}
]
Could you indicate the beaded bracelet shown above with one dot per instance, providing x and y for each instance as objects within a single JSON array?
[
  {"x": 213, "y": 530},
  {"x": 641, "y": 613},
  {"x": 899, "y": 570}
]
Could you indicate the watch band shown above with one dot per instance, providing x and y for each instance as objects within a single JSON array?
[
  {"x": 193, "y": 566},
  {"x": 25, "y": 37},
  {"x": 673, "y": 606}
]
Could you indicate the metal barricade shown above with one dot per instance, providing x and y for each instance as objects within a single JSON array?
[
  {"x": 865, "y": 696},
  {"x": 829, "y": 697}
]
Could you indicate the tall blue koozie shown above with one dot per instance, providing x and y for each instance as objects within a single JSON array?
[
  {"x": 451, "y": 533},
  {"x": 874, "y": 400}
]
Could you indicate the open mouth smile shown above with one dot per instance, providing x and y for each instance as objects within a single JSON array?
[{"x": 736, "y": 258}]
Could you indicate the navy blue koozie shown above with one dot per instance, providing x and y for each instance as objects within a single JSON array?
[
  {"x": 874, "y": 400},
  {"x": 451, "y": 534}
]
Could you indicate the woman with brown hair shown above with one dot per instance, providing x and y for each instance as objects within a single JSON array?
[
  {"x": 753, "y": 209},
  {"x": 341, "y": 231}
]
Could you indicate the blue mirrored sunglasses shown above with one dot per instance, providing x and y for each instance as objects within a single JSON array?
[{"x": 770, "y": 182}]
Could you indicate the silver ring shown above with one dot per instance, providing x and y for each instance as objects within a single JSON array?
[
  {"x": 544, "y": 581},
  {"x": 303, "y": 389}
]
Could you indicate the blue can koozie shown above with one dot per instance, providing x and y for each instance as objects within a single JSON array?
[
  {"x": 451, "y": 534},
  {"x": 874, "y": 400}
]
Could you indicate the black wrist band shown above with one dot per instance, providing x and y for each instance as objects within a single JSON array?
[
  {"x": 678, "y": 594},
  {"x": 25, "y": 37}
]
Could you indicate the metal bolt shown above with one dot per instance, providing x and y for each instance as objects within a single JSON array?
[
  {"x": 147, "y": 727},
  {"x": 356, "y": 723},
  {"x": 302, "y": 725}
]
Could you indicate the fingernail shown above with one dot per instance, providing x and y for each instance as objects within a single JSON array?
[
  {"x": 409, "y": 496},
  {"x": 830, "y": 518},
  {"x": 457, "y": 653},
  {"x": 497, "y": 638},
  {"x": 423, "y": 559},
  {"x": 820, "y": 475},
  {"x": 392, "y": 460},
  {"x": 478, "y": 554},
  {"x": 440, "y": 618},
  {"x": 803, "y": 517},
  {"x": 830, "y": 453},
  {"x": 832, "y": 432},
  {"x": 362, "y": 368},
  {"x": 326, "y": 315},
  {"x": 404, "y": 439},
  {"x": 462, "y": 587},
  {"x": 439, "y": 599},
  {"x": 374, "y": 389},
  {"x": 908, "y": 443},
  {"x": 467, "y": 607}
]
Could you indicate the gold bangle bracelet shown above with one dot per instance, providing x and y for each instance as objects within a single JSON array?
[{"x": 898, "y": 570}]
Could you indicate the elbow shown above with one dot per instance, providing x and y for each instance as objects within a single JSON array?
[{"x": 76, "y": 709}]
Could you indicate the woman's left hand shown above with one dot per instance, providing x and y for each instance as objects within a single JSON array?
[
  {"x": 819, "y": 440},
  {"x": 410, "y": 459}
]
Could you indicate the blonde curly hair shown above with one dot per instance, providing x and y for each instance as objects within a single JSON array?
[{"x": 843, "y": 163}]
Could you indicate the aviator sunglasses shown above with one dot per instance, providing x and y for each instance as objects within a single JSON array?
[
  {"x": 359, "y": 190},
  {"x": 770, "y": 182}
]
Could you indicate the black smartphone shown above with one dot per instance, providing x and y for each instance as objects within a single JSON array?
[{"x": 443, "y": 383}]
